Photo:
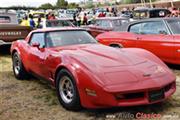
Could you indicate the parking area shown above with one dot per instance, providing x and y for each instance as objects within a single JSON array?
[{"x": 36, "y": 100}]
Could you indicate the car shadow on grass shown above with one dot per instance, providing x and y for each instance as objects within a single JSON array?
[
  {"x": 173, "y": 66},
  {"x": 5, "y": 50},
  {"x": 157, "y": 108}
]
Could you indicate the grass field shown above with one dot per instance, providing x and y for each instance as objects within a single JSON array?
[{"x": 35, "y": 100}]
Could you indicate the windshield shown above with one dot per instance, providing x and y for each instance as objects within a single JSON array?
[
  {"x": 174, "y": 25},
  {"x": 58, "y": 23},
  {"x": 63, "y": 38}
]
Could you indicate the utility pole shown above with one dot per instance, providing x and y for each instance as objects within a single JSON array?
[
  {"x": 144, "y": 3},
  {"x": 172, "y": 5}
]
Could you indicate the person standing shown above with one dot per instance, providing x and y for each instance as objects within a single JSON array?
[
  {"x": 25, "y": 21},
  {"x": 74, "y": 19},
  {"x": 85, "y": 20},
  {"x": 52, "y": 17},
  {"x": 78, "y": 19},
  {"x": 31, "y": 21},
  {"x": 39, "y": 25}
]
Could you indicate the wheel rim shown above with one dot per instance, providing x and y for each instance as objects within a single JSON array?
[
  {"x": 16, "y": 64},
  {"x": 66, "y": 89}
]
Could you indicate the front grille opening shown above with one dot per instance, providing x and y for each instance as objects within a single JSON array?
[
  {"x": 156, "y": 95},
  {"x": 130, "y": 96},
  {"x": 168, "y": 87}
]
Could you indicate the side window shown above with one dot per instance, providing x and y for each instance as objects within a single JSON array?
[
  {"x": 105, "y": 24},
  {"x": 98, "y": 23},
  {"x": 154, "y": 27},
  {"x": 135, "y": 28},
  {"x": 38, "y": 38}
]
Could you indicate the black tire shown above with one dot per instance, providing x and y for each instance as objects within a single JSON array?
[
  {"x": 74, "y": 104},
  {"x": 20, "y": 73},
  {"x": 115, "y": 46}
]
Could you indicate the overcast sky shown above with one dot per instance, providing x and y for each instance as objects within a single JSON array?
[{"x": 6, "y": 3}]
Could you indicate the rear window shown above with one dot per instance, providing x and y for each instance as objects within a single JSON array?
[
  {"x": 119, "y": 22},
  {"x": 5, "y": 19}
]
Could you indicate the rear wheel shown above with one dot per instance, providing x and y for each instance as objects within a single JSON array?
[
  {"x": 18, "y": 67},
  {"x": 67, "y": 91}
]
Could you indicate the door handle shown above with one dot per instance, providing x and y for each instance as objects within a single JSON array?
[{"x": 138, "y": 38}]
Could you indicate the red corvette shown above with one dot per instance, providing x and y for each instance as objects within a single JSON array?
[
  {"x": 84, "y": 74},
  {"x": 160, "y": 36},
  {"x": 105, "y": 24}
]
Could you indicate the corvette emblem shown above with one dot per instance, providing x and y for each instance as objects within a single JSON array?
[
  {"x": 146, "y": 74},
  {"x": 159, "y": 69}
]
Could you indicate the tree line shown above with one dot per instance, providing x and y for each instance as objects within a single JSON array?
[{"x": 60, "y": 4}]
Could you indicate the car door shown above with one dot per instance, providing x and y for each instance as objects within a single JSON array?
[
  {"x": 155, "y": 37},
  {"x": 130, "y": 38},
  {"x": 36, "y": 55}
]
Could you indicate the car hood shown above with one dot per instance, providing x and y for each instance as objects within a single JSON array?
[
  {"x": 112, "y": 66},
  {"x": 100, "y": 55}
]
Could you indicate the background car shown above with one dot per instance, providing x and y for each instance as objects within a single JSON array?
[
  {"x": 6, "y": 17},
  {"x": 143, "y": 12},
  {"x": 62, "y": 22},
  {"x": 84, "y": 74},
  {"x": 105, "y": 24},
  {"x": 159, "y": 36},
  {"x": 10, "y": 30}
]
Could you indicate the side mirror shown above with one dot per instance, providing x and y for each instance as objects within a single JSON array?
[
  {"x": 162, "y": 32},
  {"x": 36, "y": 45}
]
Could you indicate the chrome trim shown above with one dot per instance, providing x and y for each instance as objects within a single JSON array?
[
  {"x": 5, "y": 43},
  {"x": 168, "y": 27}
]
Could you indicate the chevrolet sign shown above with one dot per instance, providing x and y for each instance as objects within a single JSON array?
[{"x": 13, "y": 33}]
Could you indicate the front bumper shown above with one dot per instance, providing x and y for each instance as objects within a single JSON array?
[{"x": 134, "y": 97}]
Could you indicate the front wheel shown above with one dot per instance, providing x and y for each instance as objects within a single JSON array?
[{"x": 67, "y": 91}]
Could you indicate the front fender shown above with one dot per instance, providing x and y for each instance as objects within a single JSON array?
[
  {"x": 84, "y": 79},
  {"x": 15, "y": 47},
  {"x": 145, "y": 54}
]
